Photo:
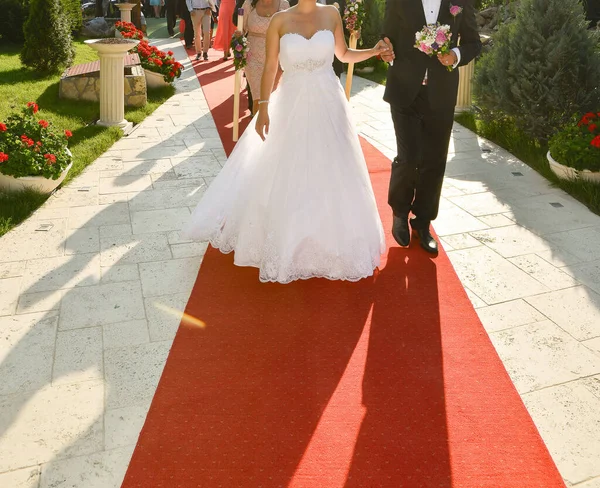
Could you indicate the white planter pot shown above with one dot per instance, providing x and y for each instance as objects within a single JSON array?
[
  {"x": 38, "y": 183},
  {"x": 155, "y": 80},
  {"x": 568, "y": 173}
]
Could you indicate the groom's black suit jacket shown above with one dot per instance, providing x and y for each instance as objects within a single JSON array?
[{"x": 403, "y": 18}]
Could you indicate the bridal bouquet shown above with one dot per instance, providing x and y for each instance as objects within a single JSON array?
[
  {"x": 239, "y": 46},
  {"x": 434, "y": 39}
]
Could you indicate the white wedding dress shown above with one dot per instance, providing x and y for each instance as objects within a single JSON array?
[{"x": 299, "y": 205}]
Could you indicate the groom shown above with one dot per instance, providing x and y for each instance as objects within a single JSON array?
[{"x": 422, "y": 95}]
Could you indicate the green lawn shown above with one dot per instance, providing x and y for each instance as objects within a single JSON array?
[
  {"x": 19, "y": 85},
  {"x": 533, "y": 154}
]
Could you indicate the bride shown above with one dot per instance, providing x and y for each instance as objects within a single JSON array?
[{"x": 294, "y": 198}]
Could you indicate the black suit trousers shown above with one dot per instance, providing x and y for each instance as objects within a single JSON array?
[{"x": 422, "y": 137}]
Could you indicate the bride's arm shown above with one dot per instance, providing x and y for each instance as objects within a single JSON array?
[
  {"x": 347, "y": 55},
  {"x": 268, "y": 76}
]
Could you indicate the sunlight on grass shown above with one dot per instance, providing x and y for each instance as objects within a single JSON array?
[{"x": 19, "y": 85}]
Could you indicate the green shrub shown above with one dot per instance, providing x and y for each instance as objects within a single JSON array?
[
  {"x": 48, "y": 43},
  {"x": 72, "y": 11},
  {"x": 14, "y": 13},
  {"x": 542, "y": 68}
]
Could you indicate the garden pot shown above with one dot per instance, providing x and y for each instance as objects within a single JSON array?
[
  {"x": 568, "y": 173},
  {"x": 155, "y": 80},
  {"x": 38, "y": 183}
]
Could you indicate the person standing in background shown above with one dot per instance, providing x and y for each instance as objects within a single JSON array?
[
  {"x": 238, "y": 5},
  {"x": 171, "y": 8},
  {"x": 184, "y": 14},
  {"x": 226, "y": 28},
  {"x": 257, "y": 16},
  {"x": 200, "y": 12}
]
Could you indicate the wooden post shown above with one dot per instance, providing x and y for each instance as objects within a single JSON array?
[
  {"x": 464, "y": 96},
  {"x": 352, "y": 45},
  {"x": 237, "y": 86}
]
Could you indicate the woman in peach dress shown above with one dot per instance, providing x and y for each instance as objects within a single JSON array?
[
  {"x": 225, "y": 28},
  {"x": 257, "y": 16}
]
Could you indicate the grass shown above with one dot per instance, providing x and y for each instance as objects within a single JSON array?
[
  {"x": 533, "y": 154},
  {"x": 18, "y": 85},
  {"x": 378, "y": 76}
]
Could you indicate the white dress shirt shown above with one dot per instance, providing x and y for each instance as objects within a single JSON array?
[{"x": 432, "y": 11}]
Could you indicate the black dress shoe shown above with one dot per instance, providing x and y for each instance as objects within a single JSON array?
[
  {"x": 427, "y": 241},
  {"x": 400, "y": 231},
  {"x": 205, "y": 56}
]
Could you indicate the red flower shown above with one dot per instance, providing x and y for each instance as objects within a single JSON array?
[
  {"x": 2, "y": 127},
  {"x": 596, "y": 142},
  {"x": 50, "y": 158},
  {"x": 68, "y": 133},
  {"x": 39, "y": 143},
  {"x": 170, "y": 53},
  {"x": 43, "y": 123},
  {"x": 24, "y": 137},
  {"x": 3, "y": 157},
  {"x": 592, "y": 127},
  {"x": 30, "y": 142},
  {"x": 33, "y": 106}
]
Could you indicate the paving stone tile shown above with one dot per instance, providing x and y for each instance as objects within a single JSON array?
[
  {"x": 576, "y": 310},
  {"x": 104, "y": 469},
  {"x": 541, "y": 354},
  {"x": 134, "y": 249},
  {"x": 26, "y": 352},
  {"x": 78, "y": 356},
  {"x": 124, "y": 334},
  {"x": 568, "y": 419},
  {"x": 507, "y": 282},
  {"x": 133, "y": 373},
  {"x": 51, "y": 423},
  {"x": 101, "y": 304},
  {"x": 163, "y": 220},
  {"x": 507, "y": 315}
]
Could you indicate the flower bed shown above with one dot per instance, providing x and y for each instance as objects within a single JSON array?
[
  {"x": 578, "y": 145},
  {"x": 30, "y": 147}
]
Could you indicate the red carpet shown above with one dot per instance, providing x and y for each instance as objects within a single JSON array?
[{"x": 389, "y": 382}]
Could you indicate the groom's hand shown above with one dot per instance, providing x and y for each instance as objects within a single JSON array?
[
  {"x": 449, "y": 59},
  {"x": 389, "y": 55}
]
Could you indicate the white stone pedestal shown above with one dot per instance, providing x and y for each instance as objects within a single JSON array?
[
  {"x": 464, "y": 99},
  {"x": 112, "y": 80},
  {"x": 125, "y": 9}
]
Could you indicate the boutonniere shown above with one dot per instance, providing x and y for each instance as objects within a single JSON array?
[{"x": 455, "y": 10}]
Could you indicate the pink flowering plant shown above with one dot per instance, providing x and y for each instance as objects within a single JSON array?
[
  {"x": 354, "y": 15},
  {"x": 239, "y": 46},
  {"x": 32, "y": 147},
  {"x": 434, "y": 39}
]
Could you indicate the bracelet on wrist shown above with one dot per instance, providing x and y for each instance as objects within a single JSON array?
[{"x": 260, "y": 102}]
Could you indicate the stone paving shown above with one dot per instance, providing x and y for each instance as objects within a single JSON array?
[{"x": 88, "y": 309}]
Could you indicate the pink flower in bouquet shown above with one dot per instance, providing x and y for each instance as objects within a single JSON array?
[
  {"x": 239, "y": 47},
  {"x": 455, "y": 10},
  {"x": 441, "y": 37}
]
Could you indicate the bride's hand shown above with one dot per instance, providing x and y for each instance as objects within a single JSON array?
[
  {"x": 384, "y": 49},
  {"x": 262, "y": 123}
]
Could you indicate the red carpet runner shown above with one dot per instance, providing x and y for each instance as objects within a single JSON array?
[{"x": 389, "y": 382}]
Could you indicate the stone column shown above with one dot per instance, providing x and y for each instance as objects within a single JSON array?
[
  {"x": 125, "y": 9},
  {"x": 464, "y": 99},
  {"x": 112, "y": 80}
]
